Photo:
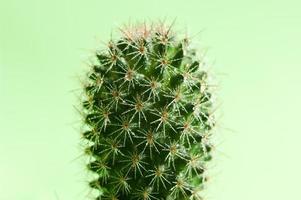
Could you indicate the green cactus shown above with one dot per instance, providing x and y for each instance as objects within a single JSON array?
[{"x": 147, "y": 115}]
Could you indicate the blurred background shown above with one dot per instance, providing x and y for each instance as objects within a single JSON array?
[{"x": 254, "y": 47}]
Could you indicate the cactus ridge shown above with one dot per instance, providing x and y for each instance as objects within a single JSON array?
[{"x": 148, "y": 115}]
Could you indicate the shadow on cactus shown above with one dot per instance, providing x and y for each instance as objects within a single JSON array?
[{"x": 147, "y": 112}]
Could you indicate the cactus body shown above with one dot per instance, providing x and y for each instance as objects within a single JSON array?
[{"x": 147, "y": 115}]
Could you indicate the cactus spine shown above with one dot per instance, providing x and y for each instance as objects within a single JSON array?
[{"x": 147, "y": 115}]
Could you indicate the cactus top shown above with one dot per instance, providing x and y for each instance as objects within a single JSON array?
[{"x": 148, "y": 116}]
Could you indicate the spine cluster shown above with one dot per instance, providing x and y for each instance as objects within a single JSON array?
[{"x": 148, "y": 117}]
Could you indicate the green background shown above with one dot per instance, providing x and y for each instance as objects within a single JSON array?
[{"x": 255, "y": 47}]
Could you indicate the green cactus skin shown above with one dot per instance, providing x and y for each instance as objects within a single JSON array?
[{"x": 147, "y": 112}]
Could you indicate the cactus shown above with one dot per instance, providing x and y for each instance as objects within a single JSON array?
[{"x": 147, "y": 112}]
